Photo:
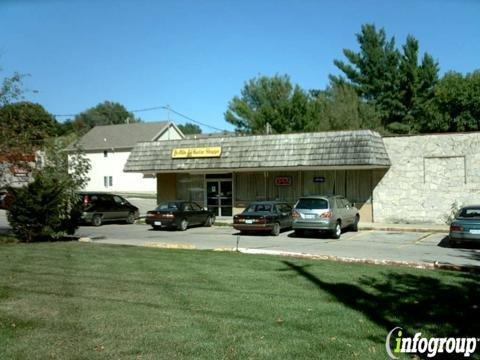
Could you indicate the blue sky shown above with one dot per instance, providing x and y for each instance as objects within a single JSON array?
[{"x": 196, "y": 55}]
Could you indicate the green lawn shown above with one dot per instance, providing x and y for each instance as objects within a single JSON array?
[{"x": 74, "y": 300}]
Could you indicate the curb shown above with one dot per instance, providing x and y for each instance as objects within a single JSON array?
[
  {"x": 91, "y": 238},
  {"x": 403, "y": 229},
  {"x": 411, "y": 264}
]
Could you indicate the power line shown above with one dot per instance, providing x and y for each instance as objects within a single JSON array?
[{"x": 168, "y": 108}]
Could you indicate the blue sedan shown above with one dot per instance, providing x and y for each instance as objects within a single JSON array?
[{"x": 466, "y": 226}]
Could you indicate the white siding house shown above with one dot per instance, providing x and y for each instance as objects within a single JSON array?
[{"x": 108, "y": 147}]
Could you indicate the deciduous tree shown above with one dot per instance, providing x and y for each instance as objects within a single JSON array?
[
  {"x": 189, "y": 128},
  {"x": 106, "y": 113},
  {"x": 270, "y": 100}
]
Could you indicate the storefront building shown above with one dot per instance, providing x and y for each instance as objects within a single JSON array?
[{"x": 226, "y": 173}]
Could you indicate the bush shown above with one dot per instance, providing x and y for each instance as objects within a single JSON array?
[
  {"x": 43, "y": 210},
  {"x": 48, "y": 207}
]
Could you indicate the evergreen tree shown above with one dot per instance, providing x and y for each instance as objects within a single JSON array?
[
  {"x": 401, "y": 90},
  {"x": 48, "y": 207},
  {"x": 373, "y": 71}
]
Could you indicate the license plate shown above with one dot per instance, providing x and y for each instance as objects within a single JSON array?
[
  {"x": 157, "y": 223},
  {"x": 309, "y": 216},
  {"x": 474, "y": 231},
  {"x": 248, "y": 221}
]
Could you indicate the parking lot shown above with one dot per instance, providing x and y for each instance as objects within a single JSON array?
[
  {"x": 405, "y": 246},
  {"x": 371, "y": 245}
]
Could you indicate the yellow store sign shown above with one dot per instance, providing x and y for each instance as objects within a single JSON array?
[{"x": 188, "y": 153}]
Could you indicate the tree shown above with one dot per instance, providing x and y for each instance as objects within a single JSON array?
[
  {"x": 416, "y": 89},
  {"x": 11, "y": 88},
  {"x": 189, "y": 128},
  {"x": 48, "y": 208},
  {"x": 373, "y": 70},
  {"x": 458, "y": 100},
  {"x": 400, "y": 88},
  {"x": 24, "y": 128},
  {"x": 339, "y": 107},
  {"x": 106, "y": 113},
  {"x": 270, "y": 100},
  {"x": 26, "y": 123}
]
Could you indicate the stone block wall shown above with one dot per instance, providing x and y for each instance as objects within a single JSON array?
[{"x": 429, "y": 175}]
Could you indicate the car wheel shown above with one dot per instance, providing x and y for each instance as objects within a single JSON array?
[
  {"x": 183, "y": 224},
  {"x": 97, "y": 220},
  {"x": 355, "y": 223},
  {"x": 337, "y": 231},
  {"x": 276, "y": 229},
  {"x": 154, "y": 227},
  {"x": 209, "y": 222},
  {"x": 130, "y": 218}
]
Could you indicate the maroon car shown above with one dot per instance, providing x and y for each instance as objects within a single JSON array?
[
  {"x": 179, "y": 214},
  {"x": 272, "y": 216}
]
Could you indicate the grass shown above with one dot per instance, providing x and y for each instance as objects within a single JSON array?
[{"x": 90, "y": 301}]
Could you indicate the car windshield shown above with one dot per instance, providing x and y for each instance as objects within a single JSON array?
[
  {"x": 469, "y": 213},
  {"x": 312, "y": 204},
  {"x": 259, "y": 208},
  {"x": 168, "y": 206}
]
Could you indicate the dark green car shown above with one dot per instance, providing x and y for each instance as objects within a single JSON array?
[{"x": 466, "y": 226}]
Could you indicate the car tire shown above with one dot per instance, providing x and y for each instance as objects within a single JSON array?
[
  {"x": 183, "y": 225},
  {"x": 337, "y": 231},
  {"x": 154, "y": 227},
  {"x": 97, "y": 220},
  {"x": 276, "y": 229},
  {"x": 355, "y": 223},
  {"x": 130, "y": 218},
  {"x": 210, "y": 221}
]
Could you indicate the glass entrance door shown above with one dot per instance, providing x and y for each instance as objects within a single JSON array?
[{"x": 219, "y": 197}]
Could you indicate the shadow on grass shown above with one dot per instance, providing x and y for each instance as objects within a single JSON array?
[{"x": 436, "y": 306}]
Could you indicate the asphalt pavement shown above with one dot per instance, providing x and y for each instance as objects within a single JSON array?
[
  {"x": 379, "y": 246},
  {"x": 409, "y": 246}
]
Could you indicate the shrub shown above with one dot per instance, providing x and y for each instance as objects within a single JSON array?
[
  {"x": 48, "y": 207},
  {"x": 42, "y": 210}
]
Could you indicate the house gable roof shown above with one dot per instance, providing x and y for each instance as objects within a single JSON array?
[
  {"x": 121, "y": 136},
  {"x": 361, "y": 149}
]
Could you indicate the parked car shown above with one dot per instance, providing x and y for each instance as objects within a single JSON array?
[
  {"x": 99, "y": 208},
  {"x": 324, "y": 213},
  {"x": 180, "y": 215},
  {"x": 466, "y": 225},
  {"x": 270, "y": 216},
  {"x": 5, "y": 200}
]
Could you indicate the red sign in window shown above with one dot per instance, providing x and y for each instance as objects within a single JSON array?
[{"x": 283, "y": 180}]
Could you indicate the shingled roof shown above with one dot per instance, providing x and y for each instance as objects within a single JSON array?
[
  {"x": 121, "y": 136},
  {"x": 354, "y": 149}
]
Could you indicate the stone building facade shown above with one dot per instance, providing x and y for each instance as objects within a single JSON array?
[{"x": 429, "y": 176}]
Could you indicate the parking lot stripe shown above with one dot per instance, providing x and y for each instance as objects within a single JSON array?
[
  {"x": 417, "y": 241},
  {"x": 423, "y": 237},
  {"x": 357, "y": 235}
]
